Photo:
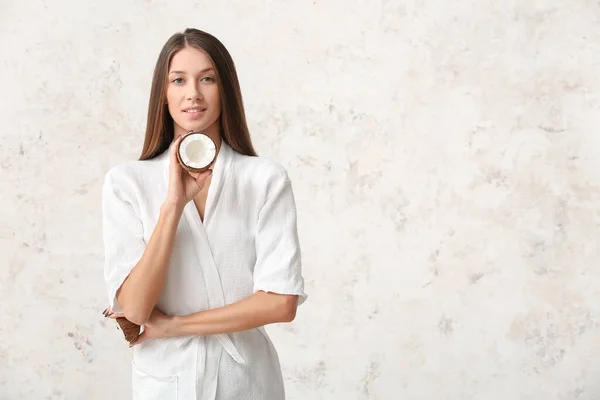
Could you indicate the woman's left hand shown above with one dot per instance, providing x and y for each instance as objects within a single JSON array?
[{"x": 159, "y": 325}]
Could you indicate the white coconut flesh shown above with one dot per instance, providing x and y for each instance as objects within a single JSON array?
[{"x": 197, "y": 151}]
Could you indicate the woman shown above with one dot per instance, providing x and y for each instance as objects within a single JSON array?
[{"x": 202, "y": 261}]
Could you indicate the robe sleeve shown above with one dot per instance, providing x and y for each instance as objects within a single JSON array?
[
  {"x": 123, "y": 236},
  {"x": 278, "y": 267}
]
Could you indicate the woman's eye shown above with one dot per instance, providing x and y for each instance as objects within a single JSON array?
[
  {"x": 177, "y": 80},
  {"x": 208, "y": 79}
]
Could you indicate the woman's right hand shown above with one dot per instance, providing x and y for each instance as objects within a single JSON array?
[{"x": 183, "y": 187}]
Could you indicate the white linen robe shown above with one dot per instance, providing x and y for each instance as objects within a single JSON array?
[{"x": 247, "y": 242}]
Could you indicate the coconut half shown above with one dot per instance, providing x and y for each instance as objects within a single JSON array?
[
  {"x": 130, "y": 329},
  {"x": 196, "y": 151}
]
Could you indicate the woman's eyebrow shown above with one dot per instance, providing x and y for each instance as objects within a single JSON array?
[{"x": 183, "y": 72}]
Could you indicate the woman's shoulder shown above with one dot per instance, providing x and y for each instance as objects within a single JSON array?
[
  {"x": 262, "y": 176},
  {"x": 261, "y": 169},
  {"x": 131, "y": 174}
]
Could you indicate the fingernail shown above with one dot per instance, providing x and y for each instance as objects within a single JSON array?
[
  {"x": 108, "y": 315},
  {"x": 104, "y": 312}
]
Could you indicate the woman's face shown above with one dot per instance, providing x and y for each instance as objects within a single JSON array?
[{"x": 193, "y": 93}]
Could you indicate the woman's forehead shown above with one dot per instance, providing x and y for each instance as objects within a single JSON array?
[{"x": 190, "y": 60}]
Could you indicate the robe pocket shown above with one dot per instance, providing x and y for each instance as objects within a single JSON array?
[{"x": 151, "y": 387}]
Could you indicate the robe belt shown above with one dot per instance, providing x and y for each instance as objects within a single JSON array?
[
  {"x": 225, "y": 341},
  {"x": 216, "y": 298}
]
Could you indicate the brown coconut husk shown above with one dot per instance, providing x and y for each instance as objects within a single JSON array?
[{"x": 130, "y": 329}]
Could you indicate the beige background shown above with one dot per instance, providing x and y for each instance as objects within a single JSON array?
[{"x": 445, "y": 159}]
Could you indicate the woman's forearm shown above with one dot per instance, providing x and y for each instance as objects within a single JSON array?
[
  {"x": 257, "y": 310},
  {"x": 141, "y": 290}
]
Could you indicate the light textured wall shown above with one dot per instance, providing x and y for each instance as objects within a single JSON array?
[{"x": 445, "y": 158}]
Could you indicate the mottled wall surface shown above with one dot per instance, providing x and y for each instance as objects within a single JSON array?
[{"x": 445, "y": 159}]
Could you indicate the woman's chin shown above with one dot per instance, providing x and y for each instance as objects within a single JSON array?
[
  {"x": 195, "y": 126},
  {"x": 184, "y": 128}
]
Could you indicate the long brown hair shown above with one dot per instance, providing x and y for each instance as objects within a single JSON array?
[{"x": 160, "y": 126}]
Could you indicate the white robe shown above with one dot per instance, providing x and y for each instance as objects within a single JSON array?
[{"x": 247, "y": 242}]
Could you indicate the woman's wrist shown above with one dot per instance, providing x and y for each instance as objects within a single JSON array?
[
  {"x": 171, "y": 209},
  {"x": 178, "y": 325}
]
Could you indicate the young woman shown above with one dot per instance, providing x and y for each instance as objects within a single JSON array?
[{"x": 202, "y": 261}]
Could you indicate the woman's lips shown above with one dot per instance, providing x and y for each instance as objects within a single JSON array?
[{"x": 194, "y": 112}]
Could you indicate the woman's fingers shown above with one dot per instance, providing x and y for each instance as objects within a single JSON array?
[
  {"x": 173, "y": 155},
  {"x": 194, "y": 183},
  {"x": 202, "y": 177},
  {"x": 108, "y": 313}
]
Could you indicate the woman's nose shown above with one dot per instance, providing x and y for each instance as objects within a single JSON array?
[
  {"x": 197, "y": 96},
  {"x": 195, "y": 93}
]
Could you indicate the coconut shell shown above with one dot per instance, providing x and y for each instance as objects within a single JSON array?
[
  {"x": 186, "y": 167},
  {"x": 130, "y": 329}
]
